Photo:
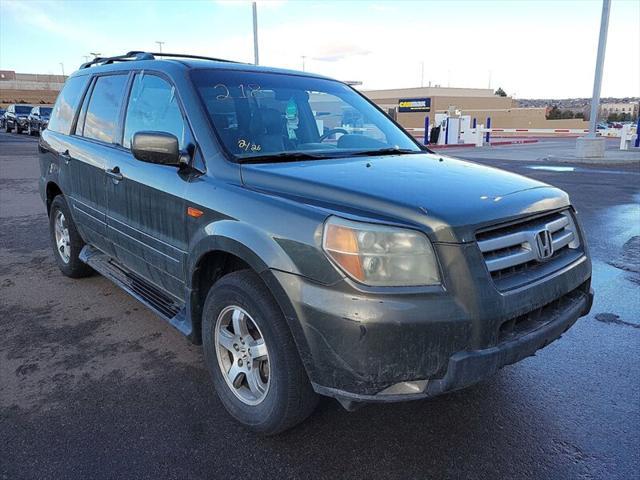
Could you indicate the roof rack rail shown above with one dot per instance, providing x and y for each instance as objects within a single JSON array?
[
  {"x": 135, "y": 55},
  {"x": 197, "y": 57},
  {"x": 140, "y": 55}
]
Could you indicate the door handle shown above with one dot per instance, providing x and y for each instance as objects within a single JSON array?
[
  {"x": 65, "y": 156},
  {"x": 115, "y": 174}
]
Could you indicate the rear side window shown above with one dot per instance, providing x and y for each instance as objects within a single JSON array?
[
  {"x": 66, "y": 104},
  {"x": 101, "y": 121},
  {"x": 153, "y": 107}
]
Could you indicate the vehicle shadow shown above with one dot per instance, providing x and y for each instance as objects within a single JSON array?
[{"x": 458, "y": 435}]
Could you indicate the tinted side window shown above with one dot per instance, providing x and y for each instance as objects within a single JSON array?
[
  {"x": 101, "y": 122},
  {"x": 66, "y": 104},
  {"x": 153, "y": 106}
]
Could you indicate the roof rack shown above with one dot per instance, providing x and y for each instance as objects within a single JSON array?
[{"x": 139, "y": 55}]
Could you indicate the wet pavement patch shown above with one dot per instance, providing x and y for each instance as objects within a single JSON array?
[
  {"x": 629, "y": 259},
  {"x": 24, "y": 234},
  {"x": 615, "y": 319}
]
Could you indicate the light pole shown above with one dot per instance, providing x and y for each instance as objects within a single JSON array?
[
  {"x": 160, "y": 45},
  {"x": 597, "y": 81},
  {"x": 62, "y": 67},
  {"x": 592, "y": 146},
  {"x": 86, "y": 58},
  {"x": 255, "y": 34},
  {"x": 303, "y": 65},
  {"x": 95, "y": 54},
  {"x": 422, "y": 74}
]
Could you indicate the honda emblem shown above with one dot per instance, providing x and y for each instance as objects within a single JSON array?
[{"x": 544, "y": 244}]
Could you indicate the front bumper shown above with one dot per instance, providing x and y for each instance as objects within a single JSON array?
[
  {"x": 467, "y": 368},
  {"x": 357, "y": 344}
]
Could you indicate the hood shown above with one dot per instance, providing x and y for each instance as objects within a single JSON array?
[{"x": 447, "y": 197}]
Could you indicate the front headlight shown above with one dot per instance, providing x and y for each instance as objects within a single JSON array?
[{"x": 379, "y": 255}]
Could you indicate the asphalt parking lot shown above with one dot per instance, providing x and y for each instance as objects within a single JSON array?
[{"x": 92, "y": 385}]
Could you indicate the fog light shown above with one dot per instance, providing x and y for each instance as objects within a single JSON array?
[{"x": 405, "y": 388}]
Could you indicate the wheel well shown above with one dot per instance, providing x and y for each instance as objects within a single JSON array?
[
  {"x": 52, "y": 192},
  {"x": 210, "y": 268}
]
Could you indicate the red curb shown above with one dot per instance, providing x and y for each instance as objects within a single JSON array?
[{"x": 513, "y": 142}]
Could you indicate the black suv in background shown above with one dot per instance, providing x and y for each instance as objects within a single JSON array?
[
  {"x": 306, "y": 240},
  {"x": 15, "y": 118},
  {"x": 38, "y": 120}
]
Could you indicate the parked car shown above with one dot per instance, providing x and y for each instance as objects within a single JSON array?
[
  {"x": 2, "y": 112},
  {"x": 361, "y": 266},
  {"x": 38, "y": 119},
  {"x": 16, "y": 117}
]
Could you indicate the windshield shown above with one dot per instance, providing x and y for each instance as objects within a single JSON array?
[
  {"x": 45, "y": 110},
  {"x": 23, "y": 109},
  {"x": 265, "y": 114}
]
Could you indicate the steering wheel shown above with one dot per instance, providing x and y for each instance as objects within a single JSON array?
[{"x": 331, "y": 132}]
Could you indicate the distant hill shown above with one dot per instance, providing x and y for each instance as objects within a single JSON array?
[{"x": 570, "y": 103}]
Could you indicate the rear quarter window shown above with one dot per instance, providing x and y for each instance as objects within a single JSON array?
[{"x": 65, "y": 108}]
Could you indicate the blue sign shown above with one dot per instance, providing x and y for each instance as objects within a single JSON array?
[{"x": 414, "y": 105}]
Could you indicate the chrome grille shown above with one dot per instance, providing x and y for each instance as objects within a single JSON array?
[{"x": 522, "y": 247}]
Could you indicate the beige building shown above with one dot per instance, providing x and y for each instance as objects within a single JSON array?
[
  {"x": 630, "y": 108},
  {"x": 29, "y": 88},
  {"x": 479, "y": 103}
]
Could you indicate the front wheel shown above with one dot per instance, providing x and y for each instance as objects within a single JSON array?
[
  {"x": 252, "y": 358},
  {"x": 66, "y": 240}
]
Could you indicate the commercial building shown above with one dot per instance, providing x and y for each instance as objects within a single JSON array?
[
  {"x": 410, "y": 106},
  {"x": 29, "y": 88},
  {"x": 625, "y": 108}
]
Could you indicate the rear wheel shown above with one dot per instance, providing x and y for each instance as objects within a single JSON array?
[
  {"x": 66, "y": 240},
  {"x": 252, "y": 358}
]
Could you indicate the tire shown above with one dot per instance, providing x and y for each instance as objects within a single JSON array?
[
  {"x": 67, "y": 258},
  {"x": 29, "y": 131},
  {"x": 288, "y": 398}
]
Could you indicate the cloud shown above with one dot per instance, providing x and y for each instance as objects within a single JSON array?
[
  {"x": 34, "y": 15},
  {"x": 48, "y": 16},
  {"x": 333, "y": 52}
]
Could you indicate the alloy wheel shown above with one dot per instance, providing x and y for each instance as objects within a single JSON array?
[
  {"x": 242, "y": 355},
  {"x": 61, "y": 232}
]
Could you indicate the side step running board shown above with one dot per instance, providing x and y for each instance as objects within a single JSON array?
[{"x": 153, "y": 297}]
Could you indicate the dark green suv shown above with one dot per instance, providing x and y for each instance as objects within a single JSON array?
[{"x": 305, "y": 239}]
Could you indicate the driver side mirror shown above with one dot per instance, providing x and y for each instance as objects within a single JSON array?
[{"x": 156, "y": 147}]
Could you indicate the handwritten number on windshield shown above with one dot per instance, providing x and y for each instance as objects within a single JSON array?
[{"x": 243, "y": 91}]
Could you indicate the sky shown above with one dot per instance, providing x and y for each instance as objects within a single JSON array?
[{"x": 532, "y": 49}]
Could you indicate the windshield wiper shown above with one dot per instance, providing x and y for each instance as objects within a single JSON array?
[
  {"x": 301, "y": 155},
  {"x": 384, "y": 151},
  {"x": 283, "y": 157}
]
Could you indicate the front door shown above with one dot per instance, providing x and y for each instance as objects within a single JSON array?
[{"x": 146, "y": 210}]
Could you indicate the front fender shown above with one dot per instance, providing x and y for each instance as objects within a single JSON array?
[
  {"x": 245, "y": 241},
  {"x": 264, "y": 255}
]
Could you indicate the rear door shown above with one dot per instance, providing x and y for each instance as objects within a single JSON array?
[
  {"x": 89, "y": 151},
  {"x": 146, "y": 212}
]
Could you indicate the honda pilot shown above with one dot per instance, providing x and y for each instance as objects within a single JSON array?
[{"x": 311, "y": 245}]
